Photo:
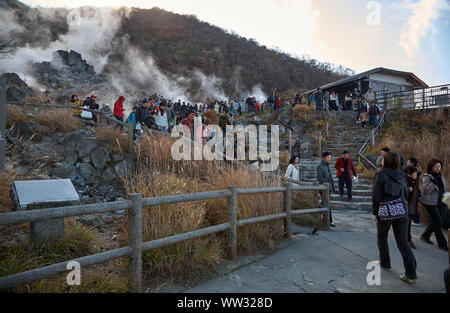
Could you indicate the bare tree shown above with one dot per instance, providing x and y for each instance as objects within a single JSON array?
[{"x": 7, "y": 46}]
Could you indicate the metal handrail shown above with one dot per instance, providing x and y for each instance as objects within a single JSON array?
[{"x": 366, "y": 143}]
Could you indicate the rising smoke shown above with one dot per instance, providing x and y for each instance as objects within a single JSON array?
[{"x": 93, "y": 32}]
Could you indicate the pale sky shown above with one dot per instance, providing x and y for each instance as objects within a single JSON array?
[{"x": 409, "y": 35}]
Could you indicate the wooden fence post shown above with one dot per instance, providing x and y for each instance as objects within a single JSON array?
[
  {"x": 232, "y": 215},
  {"x": 135, "y": 242},
  {"x": 326, "y": 204},
  {"x": 327, "y": 134},
  {"x": 130, "y": 133},
  {"x": 287, "y": 209}
]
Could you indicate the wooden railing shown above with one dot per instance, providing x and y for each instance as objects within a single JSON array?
[{"x": 135, "y": 245}]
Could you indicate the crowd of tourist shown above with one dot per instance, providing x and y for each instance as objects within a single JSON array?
[{"x": 366, "y": 109}]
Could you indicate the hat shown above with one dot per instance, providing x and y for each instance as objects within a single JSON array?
[{"x": 93, "y": 97}]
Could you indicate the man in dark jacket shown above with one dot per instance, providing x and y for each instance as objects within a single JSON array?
[
  {"x": 324, "y": 176},
  {"x": 344, "y": 170},
  {"x": 93, "y": 105},
  {"x": 319, "y": 99},
  {"x": 150, "y": 121},
  {"x": 142, "y": 113}
]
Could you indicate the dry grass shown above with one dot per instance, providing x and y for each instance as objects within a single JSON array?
[
  {"x": 14, "y": 115},
  {"x": 113, "y": 138},
  {"x": 180, "y": 261},
  {"x": 7, "y": 177},
  {"x": 422, "y": 135},
  {"x": 58, "y": 120},
  {"x": 160, "y": 175},
  {"x": 19, "y": 254}
]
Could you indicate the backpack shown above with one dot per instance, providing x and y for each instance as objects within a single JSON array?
[{"x": 223, "y": 121}]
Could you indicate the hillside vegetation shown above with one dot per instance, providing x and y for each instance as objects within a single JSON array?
[
  {"x": 180, "y": 45},
  {"x": 423, "y": 135}
]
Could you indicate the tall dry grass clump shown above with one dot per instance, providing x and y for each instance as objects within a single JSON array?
[
  {"x": 58, "y": 120},
  {"x": 158, "y": 174},
  {"x": 155, "y": 151},
  {"x": 255, "y": 236},
  {"x": 14, "y": 115},
  {"x": 183, "y": 260},
  {"x": 114, "y": 138}
]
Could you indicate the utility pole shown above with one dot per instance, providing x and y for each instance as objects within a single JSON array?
[{"x": 2, "y": 123}]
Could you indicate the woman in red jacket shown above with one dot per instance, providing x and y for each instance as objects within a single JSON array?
[{"x": 118, "y": 108}]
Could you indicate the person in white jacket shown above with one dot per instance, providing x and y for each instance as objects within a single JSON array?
[
  {"x": 161, "y": 119},
  {"x": 292, "y": 170}
]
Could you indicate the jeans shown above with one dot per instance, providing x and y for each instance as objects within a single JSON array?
[
  {"x": 373, "y": 120},
  {"x": 400, "y": 228},
  {"x": 164, "y": 129},
  {"x": 319, "y": 105},
  {"x": 345, "y": 179},
  {"x": 435, "y": 226}
]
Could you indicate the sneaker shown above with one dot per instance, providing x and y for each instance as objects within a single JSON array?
[
  {"x": 415, "y": 224},
  {"x": 428, "y": 241},
  {"x": 408, "y": 280},
  {"x": 332, "y": 224},
  {"x": 412, "y": 245},
  {"x": 444, "y": 248}
]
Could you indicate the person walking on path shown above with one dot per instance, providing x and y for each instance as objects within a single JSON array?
[
  {"x": 324, "y": 177},
  {"x": 434, "y": 188},
  {"x": 413, "y": 181},
  {"x": 319, "y": 99},
  {"x": 373, "y": 112},
  {"x": 390, "y": 208},
  {"x": 345, "y": 170},
  {"x": 292, "y": 170}
]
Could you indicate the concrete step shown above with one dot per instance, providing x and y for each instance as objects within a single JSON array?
[
  {"x": 355, "y": 198},
  {"x": 356, "y": 206}
]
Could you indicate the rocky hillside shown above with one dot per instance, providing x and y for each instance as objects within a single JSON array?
[{"x": 155, "y": 50}]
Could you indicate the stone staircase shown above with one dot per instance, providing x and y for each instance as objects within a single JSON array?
[{"x": 347, "y": 135}]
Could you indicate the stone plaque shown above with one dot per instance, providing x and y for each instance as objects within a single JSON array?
[
  {"x": 44, "y": 194},
  {"x": 43, "y": 191}
]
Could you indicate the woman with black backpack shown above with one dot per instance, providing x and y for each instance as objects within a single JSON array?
[{"x": 390, "y": 208}]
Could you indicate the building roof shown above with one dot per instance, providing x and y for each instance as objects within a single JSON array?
[{"x": 408, "y": 75}]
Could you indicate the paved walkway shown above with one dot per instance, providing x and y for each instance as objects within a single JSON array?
[{"x": 330, "y": 262}]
